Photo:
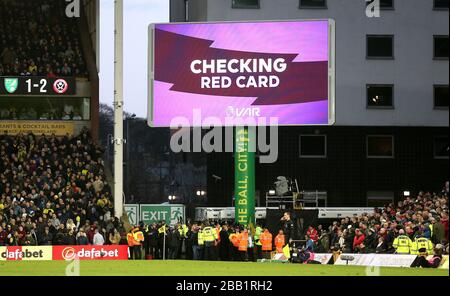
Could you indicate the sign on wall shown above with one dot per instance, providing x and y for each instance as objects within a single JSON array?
[
  {"x": 244, "y": 178},
  {"x": 381, "y": 260},
  {"x": 58, "y": 128},
  {"x": 242, "y": 70},
  {"x": 154, "y": 213},
  {"x": 32, "y": 85},
  {"x": 25, "y": 253},
  {"x": 132, "y": 211}
]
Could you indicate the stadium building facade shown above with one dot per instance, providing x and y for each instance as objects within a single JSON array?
[
  {"x": 51, "y": 87},
  {"x": 391, "y": 130}
]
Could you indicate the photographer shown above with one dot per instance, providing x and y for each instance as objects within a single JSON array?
[
  {"x": 303, "y": 256},
  {"x": 434, "y": 262}
]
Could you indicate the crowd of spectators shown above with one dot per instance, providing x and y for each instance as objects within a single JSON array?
[
  {"x": 425, "y": 215},
  {"x": 37, "y": 39},
  {"x": 53, "y": 192}
]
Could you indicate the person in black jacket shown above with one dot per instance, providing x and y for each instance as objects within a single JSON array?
[
  {"x": 188, "y": 242},
  {"x": 70, "y": 238},
  {"x": 153, "y": 241},
  {"x": 174, "y": 240},
  {"x": 288, "y": 226},
  {"x": 382, "y": 247},
  {"x": 225, "y": 245},
  {"x": 46, "y": 238},
  {"x": 370, "y": 242}
]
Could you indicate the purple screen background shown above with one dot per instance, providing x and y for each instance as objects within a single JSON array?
[{"x": 307, "y": 41}]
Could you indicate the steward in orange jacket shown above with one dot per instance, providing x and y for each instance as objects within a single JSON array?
[
  {"x": 266, "y": 241},
  {"x": 280, "y": 241},
  {"x": 234, "y": 238},
  {"x": 243, "y": 244}
]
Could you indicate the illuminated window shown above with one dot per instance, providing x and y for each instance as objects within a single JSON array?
[
  {"x": 245, "y": 3},
  {"x": 380, "y": 46},
  {"x": 380, "y": 96},
  {"x": 380, "y": 146}
]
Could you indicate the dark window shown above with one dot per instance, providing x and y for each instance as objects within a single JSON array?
[
  {"x": 381, "y": 96},
  {"x": 313, "y": 146},
  {"x": 384, "y": 4},
  {"x": 380, "y": 46},
  {"x": 441, "y": 47},
  {"x": 441, "y": 147},
  {"x": 45, "y": 108},
  {"x": 441, "y": 4},
  {"x": 441, "y": 96},
  {"x": 245, "y": 3},
  {"x": 313, "y": 3},
  {"x": 379, "y": 198},
  {"x": 380, "y": 146}
]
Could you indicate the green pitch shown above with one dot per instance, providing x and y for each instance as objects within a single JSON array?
[{"x": 198, "y": 268}]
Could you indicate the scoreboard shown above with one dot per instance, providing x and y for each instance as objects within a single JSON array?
[{"x": 33, "y": 85}]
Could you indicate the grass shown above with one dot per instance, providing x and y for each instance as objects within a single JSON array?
[{"x": 198, "y": 268}]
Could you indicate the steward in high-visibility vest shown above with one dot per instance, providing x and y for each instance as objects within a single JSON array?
[
  {"x": 209, "y": 237},
  {"x": 234, "y": 239},
  {"x": 402, "y": 243},
  {"x": 184, "y": 230},
  {"x": 422, "y": 243},
  {"x": 258, "y": 243},
  {"x": 130, "y": 241},
  {"x": 243, "y": 244},
  {"x": 138, "y": 236},
  {"x": 258, "y": 232},
  {"x": 280, "y": 241},
  {"x": 266, "y": 241},
  {"x": 218, "y": 229},
  {"x": 209, "y": 234},
  {"x": 200, "y": 240}
]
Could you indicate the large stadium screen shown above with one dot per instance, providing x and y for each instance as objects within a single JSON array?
[{"x": 242, "y": 70}]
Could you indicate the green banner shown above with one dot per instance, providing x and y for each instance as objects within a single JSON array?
[{"x": 244, "y": 177}]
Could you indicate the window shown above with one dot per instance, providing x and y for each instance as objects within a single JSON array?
[
  {"x": 379, "y": 198},
  {"x": 245, "y": 4},
  {"x": 380, "y": 46},
  {"x": 441, "y": 96},
  {"x": 380, "y": 96},
  {"x": 441, "y": 147},
  {"x": 313, "y": 3},
  {"x": 313, "y": 146},
  {"x": 380, "y": 146},
  {"x": 384, "y": 4},
  {"x": 44, "y": 108},
  {"x": 440, "y": 4},
  {"x": 441, "y": 47}
]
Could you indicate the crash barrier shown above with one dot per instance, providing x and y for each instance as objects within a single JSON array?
[
  {"x": 47, "y": 253},
  {"x": 382, "y": 260},
  {"x": 376, "y": 260}
]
